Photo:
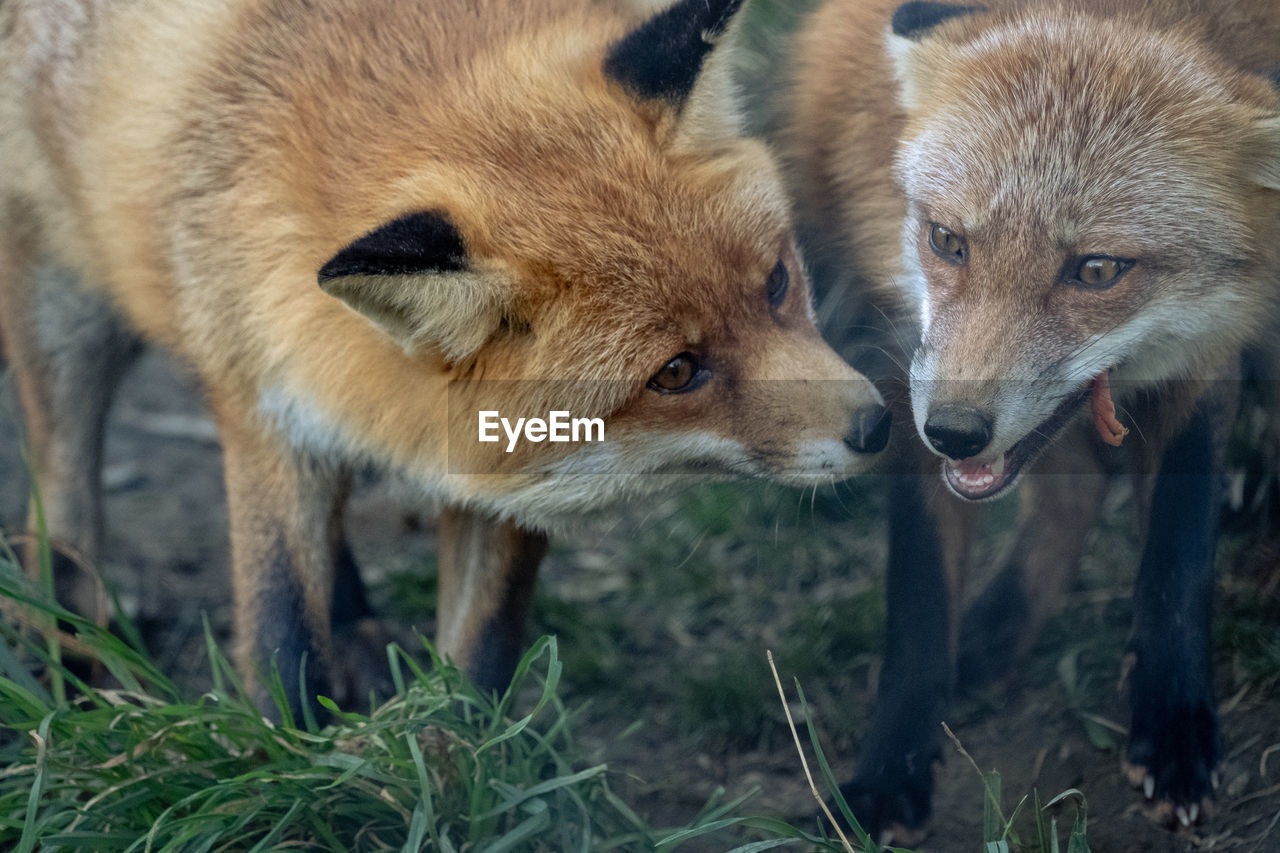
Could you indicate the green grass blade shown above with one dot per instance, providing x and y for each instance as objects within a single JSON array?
[
  {"x": 1038, "y": 814},
  {"x": 12, "y": 668},
  {"x": 16, "y": 700},
  {"x": 308, "y": 716},
  {"x": 523, "y": 831},
  {"x": 30, "y": 828},
  {"x": 540, "y": 789},
  {"x": 279, "y": 829},
  {"x": 417, "y": 831},
  {"x": 759, "y": 846},
  {"x": 275, "y": 687},
  {"x": 993, "y": 823},
  {"x": 424, "y": 787},
  {"x": 864, "y": 839}
]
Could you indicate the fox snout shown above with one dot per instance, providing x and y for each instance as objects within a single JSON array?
[
  {"x": 869, "y": 432},
  {"x": 837, "y": 434},
  {"x": 958, "y": 431},
  {"x": 831, "y": 422}
]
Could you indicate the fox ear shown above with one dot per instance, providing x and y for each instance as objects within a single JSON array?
[
  {"x": 910, "y": 24},
  {"x": 663, "y": 58},
  {"x": 413, "y": 279}
]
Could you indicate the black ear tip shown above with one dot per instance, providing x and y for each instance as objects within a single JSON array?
[
  {"x": 662, "y": 59},
  {"x": 914, "y": 19},
  {"x": 720, "y": 13},
  {"x": 424, "y": 241}
]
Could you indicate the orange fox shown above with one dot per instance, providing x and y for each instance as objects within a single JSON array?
[
  {"x": 368, "y": 224},
  {"x": 1069, "y": 198}
]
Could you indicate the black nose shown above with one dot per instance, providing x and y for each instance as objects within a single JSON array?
[
  {"x": 870, "y": 431},
  {"x": 958, "y": 431}
]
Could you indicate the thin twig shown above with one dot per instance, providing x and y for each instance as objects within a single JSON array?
[
  {"x": 987, "y": 788},
  {"x": 803, "y": 762}
]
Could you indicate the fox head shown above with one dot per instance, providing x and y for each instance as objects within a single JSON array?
[
  {"x": 573, "y": 223},
  {"x": 1084, "y": 196}
]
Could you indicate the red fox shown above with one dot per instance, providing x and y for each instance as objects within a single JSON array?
[
  {"x": 1069, "y": 198},
  {"x": 373, "y": 228}
]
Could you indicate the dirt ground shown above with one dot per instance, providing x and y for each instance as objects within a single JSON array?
[{"x": 166, "y": 553}]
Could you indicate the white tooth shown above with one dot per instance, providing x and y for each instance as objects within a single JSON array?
[{"x": 997, "y": 467}]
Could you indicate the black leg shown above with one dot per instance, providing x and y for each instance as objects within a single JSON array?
[
  {"x": 360, "y": 665},
  {"x": 283, "y": 636},
  {"x": 1174, "y": 744},
  {"x": 894, "y": 781}
]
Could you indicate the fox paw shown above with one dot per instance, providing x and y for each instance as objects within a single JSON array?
[
  {"x": 893, "y": 808},
  {"x": 1165, "y": 811},
  {"x": 360, "y": 663},
  {"x": 1172, "y": 758}
]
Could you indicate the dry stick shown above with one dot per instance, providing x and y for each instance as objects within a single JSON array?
[
  {"x": 803, "y": 762},
  {"x": 986, "y": 790}
]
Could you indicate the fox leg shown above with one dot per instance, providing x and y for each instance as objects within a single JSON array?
[
  {"x": 1058, "y": 503},
  {"x": 1174, "y": 745},
  {"x": 359, "y": 665},
  {"x": 67, "y": 350},
  {"x": 930, "y": 534},
  {"x": 487, "y": 573},
  {"x": 285, "y": 508}
]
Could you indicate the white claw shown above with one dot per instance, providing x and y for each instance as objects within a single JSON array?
[
  {"x": 1215, "y": 779},
  {"x": 1149, "y": 787},
  {"x": 1195, "y": 812},
  {"x": 1183, "y": 817}
]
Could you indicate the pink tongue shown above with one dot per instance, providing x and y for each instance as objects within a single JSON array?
[
  {"x": 1104, "y": 412},
  {"x": 971, "y": 468}
]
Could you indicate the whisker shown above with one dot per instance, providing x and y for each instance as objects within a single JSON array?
[
  {"x": 902, "y": 341},
  {"x": 1094, "y": 340},
  {"x": 1134, "y": 421}
]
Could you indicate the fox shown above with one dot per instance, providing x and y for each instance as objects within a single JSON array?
[
  {"x": 1065, "y": 213},
  {"x": 367, "y": 227}
]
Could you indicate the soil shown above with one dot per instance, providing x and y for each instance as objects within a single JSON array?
[{"x": 167, "y": 556}]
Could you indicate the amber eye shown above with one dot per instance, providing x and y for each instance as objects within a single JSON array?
[
  {"x": 776, "y": 285},
  {"x": 679, "y": 375},
  {"x": 1096, "y": 272},
  {"x": 948, "y": 245}
]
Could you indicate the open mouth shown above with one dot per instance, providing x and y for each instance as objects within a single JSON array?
[{"x": 978, "y": 479}]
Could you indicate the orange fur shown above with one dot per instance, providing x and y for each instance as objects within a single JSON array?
[{"x": 196, "y": 163}]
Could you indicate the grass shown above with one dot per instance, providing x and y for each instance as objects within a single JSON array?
[{"x": 442, "y": 766}]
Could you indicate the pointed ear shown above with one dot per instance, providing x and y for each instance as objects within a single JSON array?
[
  {"x": 413, "y": 279},
  {"x": 662, "y": 59},
  {"x": 1268, "y": 175},
  {"x": 911, "y": 23}
]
